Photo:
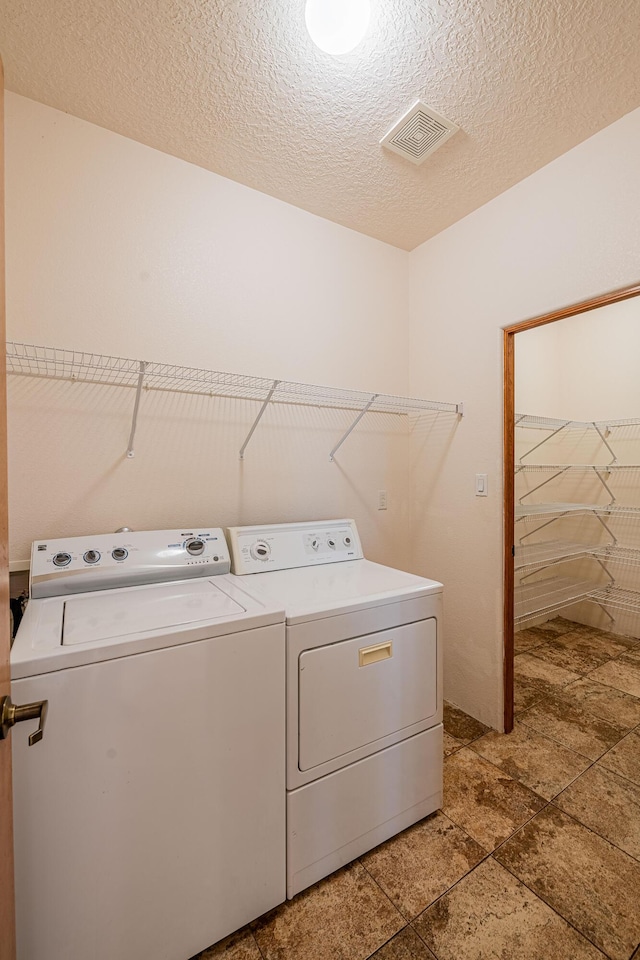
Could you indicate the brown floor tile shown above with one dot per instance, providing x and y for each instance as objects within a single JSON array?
[
  {"x": 419, "y": 864},
  {"x": 536, "y": 679},
  {"x": 607, "y": 804},
  {"x": 604, "y": 702},
  {"x": 345, "y": 917},
  {"x": 485, "y": 802},
  {"x": 239, "y": 946},
  {"x": 572, "y": 726},
  {"x": 540, "y": 763},
  {"x": 623, "y": 674},
  {"x": 450, "y": 744},
  {"x": 624, "y": 758},
  {"x": 406, "y": 945},
  {"x": 579, "y": 652},
  {"x": 589, "y": 882},
  {"x": 492, "y": 916},
  {"x": 460, "y": 725},
  {"x": 531, "y": 637}
]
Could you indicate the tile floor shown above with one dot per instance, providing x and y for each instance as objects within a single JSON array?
[{"x": 535, "y": 854}]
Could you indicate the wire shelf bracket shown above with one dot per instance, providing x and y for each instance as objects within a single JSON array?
[
  {"x": 136, "y": 407},
  {"x": 267, "y": 401},
  {"x": 355, "y": 423}
]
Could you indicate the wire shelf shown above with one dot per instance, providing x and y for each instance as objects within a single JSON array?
[
  {"x": 548, "y": 552},
  {"x": 543, "y": 510},
  {"x": 566, "y": 467},
  {"x": 545, "y": 596},
  {"x": 25, "y": 359},
  {"x": 554, "y": 423},
  {"x": 52, "y": 362},
  {"x": 615, "y": 553},
  {"x": 617, "y": 597}
]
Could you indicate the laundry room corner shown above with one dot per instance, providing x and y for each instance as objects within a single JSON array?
[{"x": 141, "y": 255}]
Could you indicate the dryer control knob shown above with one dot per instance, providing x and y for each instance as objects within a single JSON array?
[
  {"x": 260, "y": 550},
  {"x": 62, "y": 559},
  {"x": 195, "y": 546},
  {"x": 315, "y": 544},
  {"x": 91, "y": 556},
  {"x": 347, "y": 541},
  {"x": 332, "y": 543}
]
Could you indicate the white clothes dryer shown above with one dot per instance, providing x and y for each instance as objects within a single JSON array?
[
  {"x": 364, "y": 690},
  {"x": 150, "y": 817}
]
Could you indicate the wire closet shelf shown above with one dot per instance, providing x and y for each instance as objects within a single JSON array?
[
  {"x": 554, "y": 593},
  {"x": 55, "y": 363}
]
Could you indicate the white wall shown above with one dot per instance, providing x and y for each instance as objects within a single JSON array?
[
  {"x": 566, "y": 233},
  {"x": 584, "y": 367},
  {"x": 116, "y": 248}
]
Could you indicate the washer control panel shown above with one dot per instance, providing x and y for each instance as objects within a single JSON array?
[
  {"x": 104, "y": 561},
  {"x": 281, "y": 546}
]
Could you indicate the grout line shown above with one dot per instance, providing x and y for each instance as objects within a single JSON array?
[
  {"x": 551, "y": 907},
  {"x": 258, "y": 945},
  {"x": 382, "y": 890}
]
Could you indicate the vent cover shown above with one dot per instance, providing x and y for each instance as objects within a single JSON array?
[{"x": 418, "y": 133}]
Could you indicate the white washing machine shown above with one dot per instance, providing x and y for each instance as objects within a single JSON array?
[
  {"x": 150, "y": 817},
  {"x": 364, "y": 690}
]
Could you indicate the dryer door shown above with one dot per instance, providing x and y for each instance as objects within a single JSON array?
[{"x": 354, "y": 693}]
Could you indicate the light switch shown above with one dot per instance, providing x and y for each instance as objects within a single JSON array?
[
  {"x": 482, "y": 485},
  {"x": 382, "y": 499}
]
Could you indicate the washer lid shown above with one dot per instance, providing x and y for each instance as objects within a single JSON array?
[
  {"x": 90, "y": 618},
  {"x": 57, "y": 633}
]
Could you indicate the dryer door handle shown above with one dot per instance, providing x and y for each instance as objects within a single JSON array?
[{"x": 10, "y": 714}]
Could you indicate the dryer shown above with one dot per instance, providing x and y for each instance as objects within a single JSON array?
[
  {"x": 364, "y": 689},
  {"x": 150, "y": 816}
]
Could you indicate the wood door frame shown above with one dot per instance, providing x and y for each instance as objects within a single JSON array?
[
  {"x": 7, "y": 912},
  {"x": 509, "y": 333}
]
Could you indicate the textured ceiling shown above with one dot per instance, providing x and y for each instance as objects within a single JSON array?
[{"x": 236, "y": 86}]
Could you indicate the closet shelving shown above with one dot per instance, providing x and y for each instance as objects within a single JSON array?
[
  {"x": 550, "y": 594},
  {"x": 31, "y": 360}
]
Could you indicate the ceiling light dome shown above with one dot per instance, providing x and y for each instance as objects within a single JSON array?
[{"x": 337, "y": 26}]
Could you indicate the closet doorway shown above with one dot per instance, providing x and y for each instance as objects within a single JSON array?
[{"x": 547, "y": 427}]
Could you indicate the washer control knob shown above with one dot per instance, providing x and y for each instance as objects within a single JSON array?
[
  {"x": 315, "y": 543},
  {"x": 119, "y": 553},
  {"x": 195, "y": 546},
  {"x": 332, "y": 543},
  {"x": 260, "y": 550},
  {"x": 91, "y": 556},
  {"x": 347, "y": 541},
  {"x": 62, "y": 559}
]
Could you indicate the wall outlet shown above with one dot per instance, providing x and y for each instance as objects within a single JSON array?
[{"x": 382, "y": 499}]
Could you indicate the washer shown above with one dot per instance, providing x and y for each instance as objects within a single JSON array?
[
  {"x": 150, "y": 818},
  {"x": 364, "y": 690}
]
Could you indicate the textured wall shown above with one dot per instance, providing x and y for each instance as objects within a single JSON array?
[
  {"x": 568, "y": 232},
  {"x": 238, "y": 87},
  {"x": 114, "y": 247}
]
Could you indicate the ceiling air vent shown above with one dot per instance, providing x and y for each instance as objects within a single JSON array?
[{"x": 418, "y": 133}]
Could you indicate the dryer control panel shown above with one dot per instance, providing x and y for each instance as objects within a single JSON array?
[
  {"x": 282, "y": 546},
  {"x": 108, "y": 560}
]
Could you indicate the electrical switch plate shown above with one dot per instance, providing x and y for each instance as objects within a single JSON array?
[
  {"x": 482, "y": 485},
  {"x": 382, "y": 499}
]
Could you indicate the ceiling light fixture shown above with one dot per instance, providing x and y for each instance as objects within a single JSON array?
[{"x": 337, "y": 26}]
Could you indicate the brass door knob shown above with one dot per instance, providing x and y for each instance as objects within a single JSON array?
[{"x": 10, "y": 714}]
